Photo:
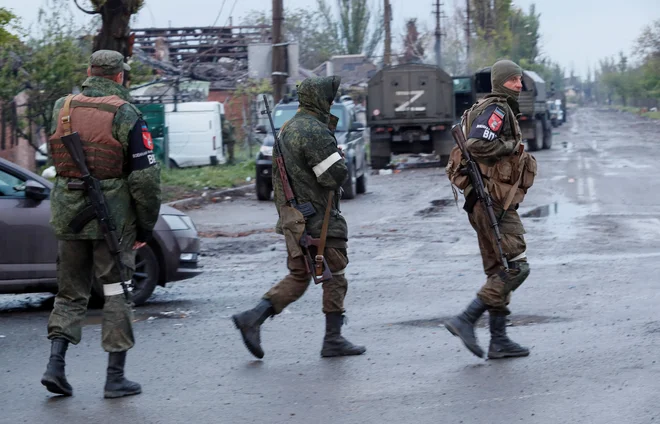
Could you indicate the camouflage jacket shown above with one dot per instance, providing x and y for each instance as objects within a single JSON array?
[
  {"x": 133, "y": 200},
  {"x": 313, "y": 161},
  {"x": 227, "y": 131},
  {"x": 492, "y": 128}
]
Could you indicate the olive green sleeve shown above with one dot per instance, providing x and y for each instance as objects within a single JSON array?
[
  {"x": 56, "y": 115},
  {"x": 327, "y": 162},
  {"x": 143, "y": 182},
  {"x": 144, "y": 186}
]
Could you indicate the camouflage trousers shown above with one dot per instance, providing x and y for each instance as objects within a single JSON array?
[
  {"x": 293, "y": 286},
  {"x": 496, "y": 292},
  {"x": 229, "y": 150},
  {"x": 79, "y": 263}
]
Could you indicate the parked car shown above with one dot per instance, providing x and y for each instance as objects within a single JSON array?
[
  {"x": 28, "y": 251},
  {"x": 350, "y": 139}
]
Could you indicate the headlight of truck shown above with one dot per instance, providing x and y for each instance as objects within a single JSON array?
[
  {"x": 179, "y": 222},
  {"x": 266, "y": 150}
]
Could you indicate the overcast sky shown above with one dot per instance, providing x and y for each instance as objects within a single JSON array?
[{"x": 576, "y": 33}]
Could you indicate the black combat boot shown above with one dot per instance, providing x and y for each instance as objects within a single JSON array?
[
  {"x": 334, "y": 344},
  {"x": 54, "y": 378},
  {"x": 116, "y": 385},
  {"x": 501, "y": 346},
  {"x": 463, "y": 326},
  {"x": 249, "y": 323}
]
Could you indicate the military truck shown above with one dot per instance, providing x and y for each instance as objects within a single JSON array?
[
  {"x": 535, "y": 116},
  {"x": 410, "y": 109}
]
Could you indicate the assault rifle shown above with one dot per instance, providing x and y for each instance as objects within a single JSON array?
[
  {"x": 477, "y": 181},
  {"x": 98, "y": 207},
  {"x": 319, "y": 273}
]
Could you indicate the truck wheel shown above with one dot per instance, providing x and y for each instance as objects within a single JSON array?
[
  {"x": 536, "y": 141},
  {"x": 361, "y": 184},
  {"x": 350, "y": 186},
  {"x": 379, "y": 162},
  {"x": 547, "y": 135},
  {"x": 263, "y": 189}
]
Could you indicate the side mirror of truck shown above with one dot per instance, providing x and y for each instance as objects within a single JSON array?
[{"x": 261, "y": 129}]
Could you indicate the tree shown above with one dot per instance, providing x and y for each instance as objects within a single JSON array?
[
  {"x": 413, "y": 50},
  {"x": 349, "y": 31},
  {"x": 8, "y": 22},
  {"x": 115, "y": 30},
  {"x": 48, "y": 65}
]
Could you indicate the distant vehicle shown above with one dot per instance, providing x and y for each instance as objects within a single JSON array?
[
  {"x": 349, "y": 135},
  {"x": 535, "y": 117},
  {"x": 464, "y": 95},
  {"x": 28, "y": 252},
  {"x": 556, "y": 112},
  {"x": 194, "y": 133},
  {"x": 410, "y": 109},
  {"x": 41, "y": 155}
]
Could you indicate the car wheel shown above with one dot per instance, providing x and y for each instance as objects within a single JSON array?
[
  {"x": 361, "y": 184},
  {"x": 145, "y": 279},
  {"x": 146, "y": 275},
  {"x": 263, "y": 190},
  {"x": 379, "y": 162},
  {"x": 350, "y": 185}
]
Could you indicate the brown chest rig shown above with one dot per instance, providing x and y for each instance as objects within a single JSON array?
[
  {"x": 92, "y": 118},
  {"x": 509, "y": 178}
]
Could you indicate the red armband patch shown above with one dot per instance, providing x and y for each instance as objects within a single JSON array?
[
  {"x": 146, "y": 138},
  {"x": 495, "y": 122}
]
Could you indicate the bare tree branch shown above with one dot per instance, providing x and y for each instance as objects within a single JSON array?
[{"x": 86, "y": 11}]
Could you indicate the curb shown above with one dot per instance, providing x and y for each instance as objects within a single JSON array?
[{"x": 211, "y": 197}]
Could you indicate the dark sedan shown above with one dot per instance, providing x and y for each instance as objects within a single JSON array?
[
  {"x": 349, "y": 135},
  {"x": 29, "y": 249}
]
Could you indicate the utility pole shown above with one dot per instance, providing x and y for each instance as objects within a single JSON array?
[
  {"x": 438, "y": 34},
  {"x": 467, "y": 30},
  {"x": 387, "y": 60},
  {"x": 279, "y": 72}
]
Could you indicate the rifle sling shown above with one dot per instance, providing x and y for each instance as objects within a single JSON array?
[
  {"x": 324, "y": 234},
  {"x": 66, "y": 115}
]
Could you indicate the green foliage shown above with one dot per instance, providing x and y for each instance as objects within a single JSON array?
[
  {"x": 47, "y": 65},
  {"x": 8, "y": 23}
]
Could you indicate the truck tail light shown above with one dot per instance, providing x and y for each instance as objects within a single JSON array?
[
  {"x": 523, "y": 118},
  {"x": 438, "y": 128},
  {"x": 214, "y": 143}
]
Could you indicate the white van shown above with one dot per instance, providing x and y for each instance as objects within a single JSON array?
[{"x": 195, "y": 133}]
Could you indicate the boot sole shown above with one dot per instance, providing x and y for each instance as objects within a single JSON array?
[
  {"x": 115, "y": 395},
  {"x": 336, "y": 354},
  {"x": 476, "y": 351},
  {"x": 54, "y": 387},
  {"x": 249, "y": 347},
  {"x": 498, "y": 355}
]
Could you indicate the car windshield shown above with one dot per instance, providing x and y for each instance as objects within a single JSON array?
[{"x": 281, "y": 114}]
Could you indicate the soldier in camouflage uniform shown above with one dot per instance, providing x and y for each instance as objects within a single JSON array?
[
  {"x": 119, "y": 152},
  {"x": 315, "y": 166},
  {"x": 495, "y": 143},
  {"x": 228, "y": 138}
]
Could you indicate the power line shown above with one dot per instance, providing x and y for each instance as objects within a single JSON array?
[
  {"x": 231, "y": 11},
  {"x": 219, "y": 13}
]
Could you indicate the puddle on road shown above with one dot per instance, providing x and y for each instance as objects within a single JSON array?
[
  {"x": 553, "y": 210},
  {"x": 515, "y": 320},
  {"x": 437, "y": 206}
]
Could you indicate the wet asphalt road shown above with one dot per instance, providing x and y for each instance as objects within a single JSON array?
[{"x": 589, "y": 310}]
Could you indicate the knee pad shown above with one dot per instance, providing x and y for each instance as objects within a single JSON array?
[{"x": 514, "y": 280}]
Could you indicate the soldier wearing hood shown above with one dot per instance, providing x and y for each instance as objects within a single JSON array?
[
  {"x": 495, "y": 143},
  {"x": 315, "y": 166}
]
